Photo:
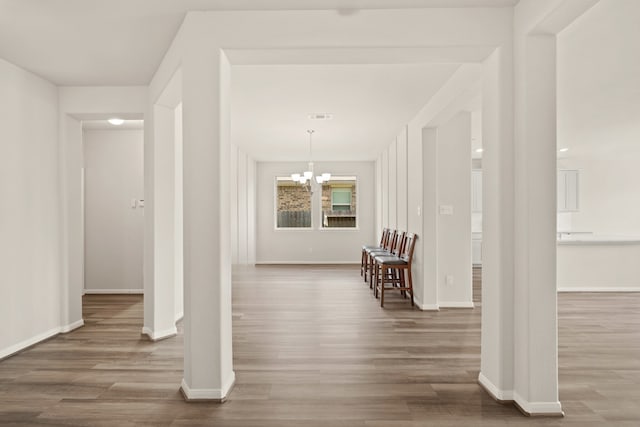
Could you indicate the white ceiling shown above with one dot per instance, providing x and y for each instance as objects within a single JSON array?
[
  {"x": 370, "y": 104},
  {"x": 122, "y": 42}
]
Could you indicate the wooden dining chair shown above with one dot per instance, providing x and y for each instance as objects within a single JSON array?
[
  {"x": 364, "y": 260},
  {"x": 388, "y": 249},
  {"x": 391, "y": 270},
  {"x": 393, "y": 249}
]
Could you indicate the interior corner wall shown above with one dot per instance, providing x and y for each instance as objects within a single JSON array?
[
  {"x": 378, "y": 198},
  {"x": 598, "y": 111},
  {"x": 30, "y": 215},
  {"x": 114, "y": 219},
  {"x": 402, "y": 203},
  {"x": 178, "y": 218},
  {"x": 313, "y": 246},
  {"x": 243, "y": 208},
  {"x": 393, "y": 185}
]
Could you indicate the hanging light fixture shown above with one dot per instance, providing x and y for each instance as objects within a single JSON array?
[{"x": 307, "y": 177}]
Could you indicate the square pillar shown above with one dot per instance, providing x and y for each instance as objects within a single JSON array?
[
  {"x": 208, "y": 364},
  {"x": 496, "y": 365},
  {"x": 535, "y": 297},
  {"x": 160, "y": 244}
]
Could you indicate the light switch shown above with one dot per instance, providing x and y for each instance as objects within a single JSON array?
[
  {"x": 446, "y": 210},
  {"x": 419, "y": 211},
  {"x": 134, "y": 203},
  {"x": 141, "y": 203}
]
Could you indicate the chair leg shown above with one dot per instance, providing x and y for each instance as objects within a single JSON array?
[
  {"x": 362, "y": 262},
  {"x": 374, "y": 278},
  {"x": 382, "y": 287}
]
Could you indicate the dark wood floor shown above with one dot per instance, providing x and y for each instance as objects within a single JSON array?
[{"x": 313, "y": 348}]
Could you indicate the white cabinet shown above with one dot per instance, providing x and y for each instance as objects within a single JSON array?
[
  {"x": 568, "y": 190},
  {"x": 476, "y": 190}
]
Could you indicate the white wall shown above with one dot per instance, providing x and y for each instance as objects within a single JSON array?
[
  {"x": 598, "y": 115},
  {"x": 113, "y": 165},
  {"x": 74, "y": 105},
  {"x": 243, "y": 208},
  {"x": 445, "y": 171},
  {"x": 454, "y": 230},
  {"x": 30, "y": 261},
  {"x": 316, "y": 245},
  {"x": 416, "y": 184}
]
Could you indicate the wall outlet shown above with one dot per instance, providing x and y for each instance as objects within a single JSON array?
[{"x": 448, "y": 280}]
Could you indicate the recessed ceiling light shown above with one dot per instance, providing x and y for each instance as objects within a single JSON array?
[
  {"x": 563, "y": 150},
  {"x": 115, "y": 121},
  {"x": 479, "y": 150},
  {"x": 320, "y": 116}
]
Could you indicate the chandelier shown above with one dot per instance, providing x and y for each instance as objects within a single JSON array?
[{"x": 307, "y": 177}]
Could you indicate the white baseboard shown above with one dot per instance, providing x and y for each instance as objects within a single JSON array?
[
  {"x": 538, "y": 408},
  {"x": 218, "y": 394},
  {"x": 159, "y": 335},
  {"x": 13, "y": 349},
  {"x": 113, "y": 291},
  {"x": 179, "y": 317},
  {"x": 456, "y": 304},
  {"x": 72, "y": 326},
  {"x": 495, "y": 392},
  {"x": 426, "y": 307},
  {"x": 598, "y": 288},
  {"x": 308, "y": 263}
]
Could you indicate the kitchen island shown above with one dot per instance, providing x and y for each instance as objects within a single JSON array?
[{"x": 598, "y": 263}]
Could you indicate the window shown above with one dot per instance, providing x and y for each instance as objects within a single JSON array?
[
  {"x": 293, "y": 204},
  {"x": 339, "y": 200}
]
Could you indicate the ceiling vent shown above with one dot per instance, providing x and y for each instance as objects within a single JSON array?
[{"x": 320, "y": 116}]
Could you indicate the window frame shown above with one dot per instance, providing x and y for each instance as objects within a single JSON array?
[
  {"x": 356, "y": 187},
  {"x": 285, "y": 177}
]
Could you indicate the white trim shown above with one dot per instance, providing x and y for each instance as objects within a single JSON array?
[
  {"x": 599, "y": 289},
  {"x": 208, "y": 393},
  {"x": 112, "y": 291},
  {"x": 179, "y": 317},
  {"x": 456, "y": 304},
  {"x": 426, "y": 307},
  {"x": 495, "y": 392},
  {"x": 72, "y": 326},
  {"x": 13, "y": 349},
  {"x": 160, "y": 335},
  {"x": 538, "y": 408},
  {"x": 357, "y": 263}
]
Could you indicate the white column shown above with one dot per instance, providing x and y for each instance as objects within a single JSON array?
[
  {"x": 72, "y": 222},
  {"x": 429, "y": 214},
  {"x": 454, "y": 226},
  {"x": 535, "y": 299},
  {"x": 496, "y": 370},
  {"x": 159, "y": 301},
  {"x": 208, "y": 364}
]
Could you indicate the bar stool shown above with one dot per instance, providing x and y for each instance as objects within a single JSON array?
[{"x": 391, "y": 270}]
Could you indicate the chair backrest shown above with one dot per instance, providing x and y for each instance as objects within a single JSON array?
[
  {"x": 398, "y": 248},
  {"x": 391, "y": 240},
  {"x": 409, "y": 245},
  {"x": 385, "y": 236}
]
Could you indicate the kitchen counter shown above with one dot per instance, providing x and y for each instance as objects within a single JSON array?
[
  {"x": 597, "y": 239},
  {"x": 589, "y": 262}
]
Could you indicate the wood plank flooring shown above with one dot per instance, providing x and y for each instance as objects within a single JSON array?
[{"x": 312, "y": 347}]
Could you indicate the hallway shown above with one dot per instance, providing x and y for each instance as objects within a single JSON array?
[{"x": 313, "y": 347}]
